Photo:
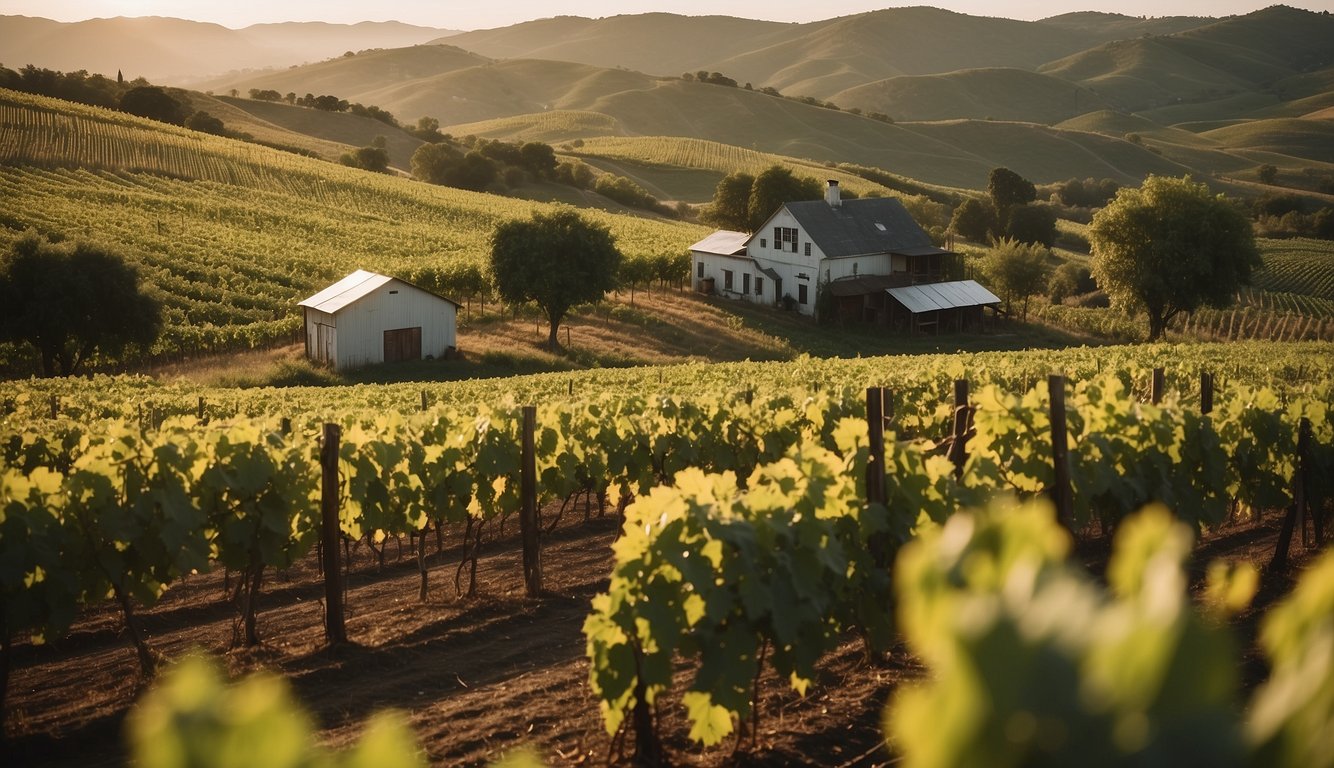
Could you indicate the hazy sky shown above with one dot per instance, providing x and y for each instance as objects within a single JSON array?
[{"x": 478, "y": 15}]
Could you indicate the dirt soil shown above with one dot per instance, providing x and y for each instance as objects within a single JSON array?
[{"x": 478, "y": 676}]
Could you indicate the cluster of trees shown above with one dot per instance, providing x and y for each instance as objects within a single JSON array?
[
  {"x": 1086, "y": 193},
  {"x": 94, "y": 90},
  {"x": 374, "y": 157},
  {"x": 70, "y": 302},
  {"x": 328, "y": 103},
  {"x": 481, "y": 164},
  {"x": 712, "y": 78},
  {"x": 1010, "y": 211},
  {"x": 1286, "y": 215},
  {"x": 743, "y": 202}
]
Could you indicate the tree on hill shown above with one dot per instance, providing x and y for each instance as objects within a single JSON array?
[
  {"x": 1171, "y": 246},
  {"x": 153, "y": 103},
  {"x": 730, "y": 208},
  {"x": 205, "y": 123},
  {"x": 1032, "y": 223},
  {"x": 1008, "y": 189},
  {"x": 775, "y": 186},
  {"x": 69, "y": 302},
  {"x": 557, "y": 260},
  {"x": 974, "y": 219},
  {"x": 370, "y": 158},
  {"x": 1016, "y": 271}
]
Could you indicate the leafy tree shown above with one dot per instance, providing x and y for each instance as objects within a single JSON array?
[
  {"x": 557, "y": 260},
  {"x": 575, "y": 173},
  {"x": 71, "y": 301},
  {"x": 153, "y": 103},
  {"x": 974, "y": 219},
  {"x": 428, "y": 129},
  {"x": 370, "y": 158},
  {"x": 625, "y": 192},
  {"x": 1032, "y": 223},
  {"x": 730, "y": 208},
  {"x": 431, "y": 162},
  {"x": 1068, "y": 280},
  {"x": 1016, "y": 271},
  {"x": 1008, "y": 189},
  {"x": 1267, "y": 173},
  {"x": 772, "y": 188},
  {"x": 205, "y": 123},
  {"x": 1171, "y": 246},
  {"x": 537, "y": 158}
]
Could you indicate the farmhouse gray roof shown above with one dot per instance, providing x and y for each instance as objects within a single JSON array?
[{"x": 865, "y": 225}]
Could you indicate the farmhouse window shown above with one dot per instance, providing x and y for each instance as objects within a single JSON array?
[
  {"x": 785, "y": 239},
  {"x": 759, "y": 286},
  {"x": 764, "y": 243},
  {"x": 699, "y": 270},
  {"x": 745, "y": 282},
  {"x": 808, "y": 249},
  {"x": 801, "y": 294},
  {"x": 727, "y": 279}
]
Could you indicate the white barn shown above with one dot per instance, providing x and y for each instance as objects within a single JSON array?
[{"x": 366, "y": 318}]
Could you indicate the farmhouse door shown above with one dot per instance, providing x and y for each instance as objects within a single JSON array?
[{"x": 403, "y": 344}]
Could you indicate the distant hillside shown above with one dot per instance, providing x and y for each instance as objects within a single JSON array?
[
  {"x": 1311, "y": 139},
  {"x": 1238, "y": 58},
  {"x": 337, "y": 128},
  {"x": 1000, "y": 94},
  {"x": 817, "y": 59},
  {"x": 1115, "y": 26},
  {"x": 178, "y": 51}
]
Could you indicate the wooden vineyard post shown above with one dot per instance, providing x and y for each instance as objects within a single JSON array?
[
  {"x": 55, "y": 406},
  {"x": 199, "y": 412},
  {"x": 1297, "y": 510},
  {"x": 1156, "y": 388},
  {"x": 425, "y": 403},
  {"x": 1310, "y": 508},
  {"x": 1061, "y": 495},
  {"x": 330, "y": 533},
  {"x": 1206, "y": 392},
  {"x": 528, "y": 522},
  {"x": 875, "y": 465},
  {"x": 958, "y": 453}
]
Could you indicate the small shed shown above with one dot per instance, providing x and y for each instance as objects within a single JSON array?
[
  {"x": 366, "y": 318},
  {"x": 940, "y": 306}
]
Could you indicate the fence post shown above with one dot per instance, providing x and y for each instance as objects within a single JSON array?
[
  {"x": 425, "y": 404},
  {"x": 55, "y": 406},
  {"x": 1206, "y": 392},
  {"x": 330, "y": 533},
  {"x": 528, "y": 522},
  {"x": 1156, "y": 388},
  {"x": 1060, "y": 453},
  {"x": 200, "y": 413}
]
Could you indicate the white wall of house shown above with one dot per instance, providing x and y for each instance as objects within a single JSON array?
[
  {"x": 747, "y": 282},
  {"x": 355, "y": 334},
  {"x": 798, "y": 267}
]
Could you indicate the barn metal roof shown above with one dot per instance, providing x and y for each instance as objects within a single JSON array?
[
  {"x": 929, "y": 297},
  {"x": 353, "y": 288},
  {"x": 723, "y": 242}
]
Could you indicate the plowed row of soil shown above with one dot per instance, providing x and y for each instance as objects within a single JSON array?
[{"x": 477, "y": 676}]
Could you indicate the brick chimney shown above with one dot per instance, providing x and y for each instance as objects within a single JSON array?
[{"x": 831, "y": 194}]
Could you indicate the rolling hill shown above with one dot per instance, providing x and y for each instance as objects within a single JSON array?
[
  {"x": 999, "y": 94},
  {"x": 1237, "y": 58},
  {"x": 179, "y": 51}
]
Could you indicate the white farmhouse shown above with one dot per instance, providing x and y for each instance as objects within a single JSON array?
[
  {"x": 862, "y": 248},
  {"x": 367, "y": 318}
]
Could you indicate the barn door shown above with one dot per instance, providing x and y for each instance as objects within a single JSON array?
[
  {"x": 324, "y": 344},
  {"x": 403, "y": 344}
]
